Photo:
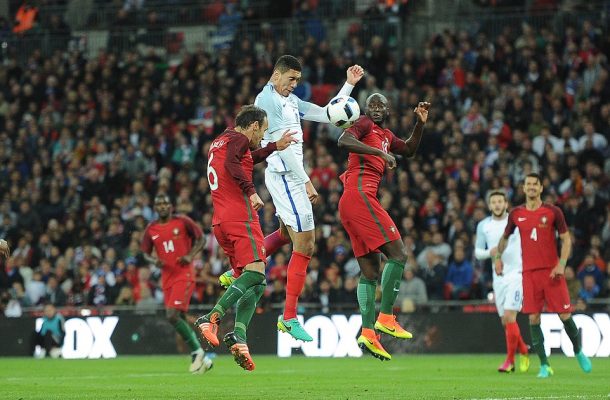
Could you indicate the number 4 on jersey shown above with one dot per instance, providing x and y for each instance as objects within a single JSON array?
[
  {"x": 534, "y": 235},
  {"x": 168, "y": 246}
]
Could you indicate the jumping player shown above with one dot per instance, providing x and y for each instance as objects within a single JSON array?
[
  {"x": 370, "y": 228},
  {"x": 291, "y": 189},
  {"x": 236, "y": 225}
]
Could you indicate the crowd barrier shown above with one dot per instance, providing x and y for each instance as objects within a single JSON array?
[{"x": 334, "y": 335}]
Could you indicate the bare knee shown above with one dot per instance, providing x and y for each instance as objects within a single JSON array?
[
  {"x": 172, "y": 315},
  {"x": 304, "y": 243},
  {"x": 370, "y": 274},
  {"x": 534, "y": 319}
]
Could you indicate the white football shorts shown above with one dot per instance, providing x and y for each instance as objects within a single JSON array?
[
  {"x": 290, "y": 199},
  {"x": 509, "y": 293}
]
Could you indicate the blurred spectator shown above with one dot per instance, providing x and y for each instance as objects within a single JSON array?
[
  {"x": 86, "y": 138},
  {"x": 412, "y": 288},
  {"x": 458, "y": 283},
  {"x": 590, "y": 289},
  {"x": 50, "y": 338}
]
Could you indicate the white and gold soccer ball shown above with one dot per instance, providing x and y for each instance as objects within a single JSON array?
[{"x": 343, "y": 111}]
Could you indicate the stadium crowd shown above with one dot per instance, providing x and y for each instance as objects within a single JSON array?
[{"x": 85, "y": 143}]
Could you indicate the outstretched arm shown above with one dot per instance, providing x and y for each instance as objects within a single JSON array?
[
  {"x": 260, "y": 155},
  {"x": 313, "y": 112}
]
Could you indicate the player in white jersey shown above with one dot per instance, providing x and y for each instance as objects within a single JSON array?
[
  {"x": 288, "y": 183},
  {"x": 508, "y": 287}
]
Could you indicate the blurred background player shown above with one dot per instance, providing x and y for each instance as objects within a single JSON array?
[
  {"x": 236, "y": 224},
  {"x": 508, "y": 289},
  {"x": 370, "y": 228},
  {"x": 176, "y": 240},
  {"x": 5, "y": 250},
  {"x": 50, "y": 337},
  {"x": 544, "y": 284},
  {"x": 289, "y": 185}
]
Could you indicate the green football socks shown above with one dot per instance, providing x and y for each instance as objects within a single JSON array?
[
  {"x": 573, "y": 333},
  {"x": 390, "y": 284},
  {"x": 245, "y": 308},
  {"x": 188, "y": 334},
  {"x": 236, "y": 291},
  {"x": 366, "y": 301},
  {"x": 538, "y": 343}
]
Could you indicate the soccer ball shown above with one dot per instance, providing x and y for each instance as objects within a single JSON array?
[{"x": 343, "y": 111}]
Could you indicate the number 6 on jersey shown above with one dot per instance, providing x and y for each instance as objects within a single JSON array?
[{"x": 212, "y": 175}]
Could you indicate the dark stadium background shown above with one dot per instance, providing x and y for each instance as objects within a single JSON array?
[{"x": 105, "y": 103}]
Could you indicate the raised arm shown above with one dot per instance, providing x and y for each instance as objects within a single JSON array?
[
  {"x": 313, "y": 112},
  {"x": 409, "y": 147}
]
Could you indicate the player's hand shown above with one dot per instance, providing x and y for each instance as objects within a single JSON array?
[
  {"x": 422, "y": 111},
  {"x": 286, "y": 140},
  {"x": 499, "y": 267},
  {"x": 312, "y": 193},
  {"x": 390, "y": 160},
  {"x": 256, "y": 202},
  {"x": 558, "y": 271},
  {"x": 354, "y": 74},
  {"x": 185, "y": 259},
  {"x": 5, "y": 250},
  {"x": 158, "y": 263}
]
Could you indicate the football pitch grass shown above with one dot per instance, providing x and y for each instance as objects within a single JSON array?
[{"x": 405, "y": 377}]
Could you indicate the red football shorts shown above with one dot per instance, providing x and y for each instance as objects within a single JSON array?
[
  {"x": 540, "y": 289},
  {"x": 368, "y": 225},
  {"x": 178, "y": 295},
  {"x": 243, "y": 242}
]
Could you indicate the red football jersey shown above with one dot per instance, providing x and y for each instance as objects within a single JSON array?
[
  {"x": 364, "y": 171},
  {"x": 230, "y": 167},
  {"x": 537, "y": 229},
  {"x": 171, "y": 241}
]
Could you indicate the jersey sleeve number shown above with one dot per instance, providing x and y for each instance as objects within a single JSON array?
[
  {"x": 212, "y": 175},
  {"x": 534, "y": 235},
  {"x": 168, "y": 246}
]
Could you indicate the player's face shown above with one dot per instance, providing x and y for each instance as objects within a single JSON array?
[
  {"x": 532, "y": 188},
  {"x": 377, "y": 109},
  {"x": 497, "y": 205},
  {"x": 259, "y": 131},
  {"x": 287, "y": 81},
  {"x": 163, "y": 207}
]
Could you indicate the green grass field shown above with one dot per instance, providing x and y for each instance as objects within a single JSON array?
[{"x": 405, "y": 377}]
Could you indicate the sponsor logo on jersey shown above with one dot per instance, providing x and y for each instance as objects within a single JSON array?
[
  {"x": 155, "y": 237},
  {"x": 176, "y": 231}
]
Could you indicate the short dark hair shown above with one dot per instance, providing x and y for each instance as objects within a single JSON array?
[
  {"x": 496, "y": 193},
  {"x": 248, "y": 115},
  {"x": 532, "y": 175},
  {"x": 287, "y": 62}
]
